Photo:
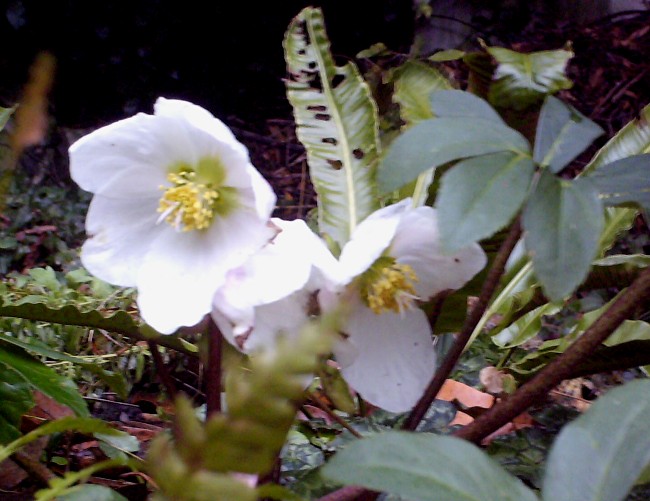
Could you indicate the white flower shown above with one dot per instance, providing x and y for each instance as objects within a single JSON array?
[
  {"x": 273, "y": 293},
  {"x": 176, "y": 205},
  {"x": 392, "y": 261}
]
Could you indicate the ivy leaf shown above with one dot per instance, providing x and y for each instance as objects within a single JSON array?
[
  {"x": 16, "y": 398},
  {"x": 521, "y": 80},
  {"x": 602, "y": 453},
  {"x": 435, "y": 142},
  {"x": 42, "y": 378},
  {"x": 563, "y": 221},
  {"x": 625, "y": 181},
  {"x": 424, "y": 467},
  {"x": 471, "y": 203},
  {"x": 336, "y": 121},
  {"x": 562, "y": 134}
]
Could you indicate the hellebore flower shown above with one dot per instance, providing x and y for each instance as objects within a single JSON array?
[
  {"x": 274, "y": 292},
  {"x": 176, "y": 205},
  {"x": 392, "y": 261}
]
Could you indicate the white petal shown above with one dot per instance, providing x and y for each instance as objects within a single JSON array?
[
  {"x": 281, "y": 318},
  {"x": 127, "y": 146},
  {"x": 371, "y": 238},
  {"x": 183, "y": 270},
  {"x": 395, "y": 360},
  {"x": 199, "y": 118},
  {"x": 417, "y": 243},
  {"x": 120, "y": 234}
]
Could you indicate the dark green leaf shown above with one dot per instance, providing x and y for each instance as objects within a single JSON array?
[
  {"x": 563, "y": 222},
  {"x": 16, "y": 398},
  {"x": 42, "y": 378},
  {"x": 562, "y": 134},
  {"x": 117, "y": 382},
  {"x": 425, "y": 467},
  {"x": 624, "y": 181},
  {"x": 435, "y": 142},
  {"x": 471, "y": 203},
  {"x": 458, "y": 103},
  {"x": 521, "y": 80},
  {"x": 600, "y": 455}
]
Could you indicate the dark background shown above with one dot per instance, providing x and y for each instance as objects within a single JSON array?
[{"x": 116, "y": 57}]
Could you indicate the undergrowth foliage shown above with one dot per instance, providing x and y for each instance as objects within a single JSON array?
[{"x": 447, "y": 211}]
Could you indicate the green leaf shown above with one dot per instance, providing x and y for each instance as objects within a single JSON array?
[
  {"x": 117, "y": 382},
  {"x": 42, "y": 378},
  {"x": 562, "y": 134},
  {"x": 45, "y": 277},
  {"x": 91, "y": 492},
  {"x": 16, "y": 398},
  {"x": 471, "y": 203},
  {"x": 336, "y": 120},
  {"x": 629, "y": 330},
  {"x": 5, "y": 114},
  {"x": 447, "y": 55},
  {"x": 414, "y": 82},
  {"x": 458, "y": 103},
  {"x": 425, "y": 467},
  {"x": 33, "y": 308},
  {"x": 563, "y": 222},
  {"x": 526, "y": 327},
  {"x": 435, "y": 142},
  {"x": 624, "y": 181},
  {"x": 632, "y": 139},
  {"x": 521, "y": 80},
  {"x": 600, "y": 455},
  {"x": 79, "y": 424}
]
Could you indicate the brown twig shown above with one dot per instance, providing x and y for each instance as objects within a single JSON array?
[
  {"x": 213, "y": 370},
  {"x": 490, "y": 285},
  {"x": 335, "y": 417},
  {"x": 562, "y": 367},
  {"x": 161, "y": 369}
]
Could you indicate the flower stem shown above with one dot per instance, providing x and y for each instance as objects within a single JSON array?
[
  {"x": 563, "y": 366},
  {"x": 161, "y": 369},
  {"x": 490, "y": 285},
  {"x": 213, "y": 370}
]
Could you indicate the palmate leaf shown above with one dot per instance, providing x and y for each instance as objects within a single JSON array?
[
  {"x": 336, "y": 120},
  {"x": 562, "y": 134},
  {"x": 625, "y": 181},
  {"x": 425, "y": 467},
  {"x": 600, "y": 455},
  {"x": 471, "y": 202},
  {"x": 563, "y": 222}
]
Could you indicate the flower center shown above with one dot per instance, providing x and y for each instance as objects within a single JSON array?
[
  {"x": 187, "y": 204},
  {"x": 388, "y": 286}
]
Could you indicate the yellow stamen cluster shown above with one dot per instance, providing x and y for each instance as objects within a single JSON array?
[
  {"x": 388, "y": 286},
  {"x": 187, "y": 205}
]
